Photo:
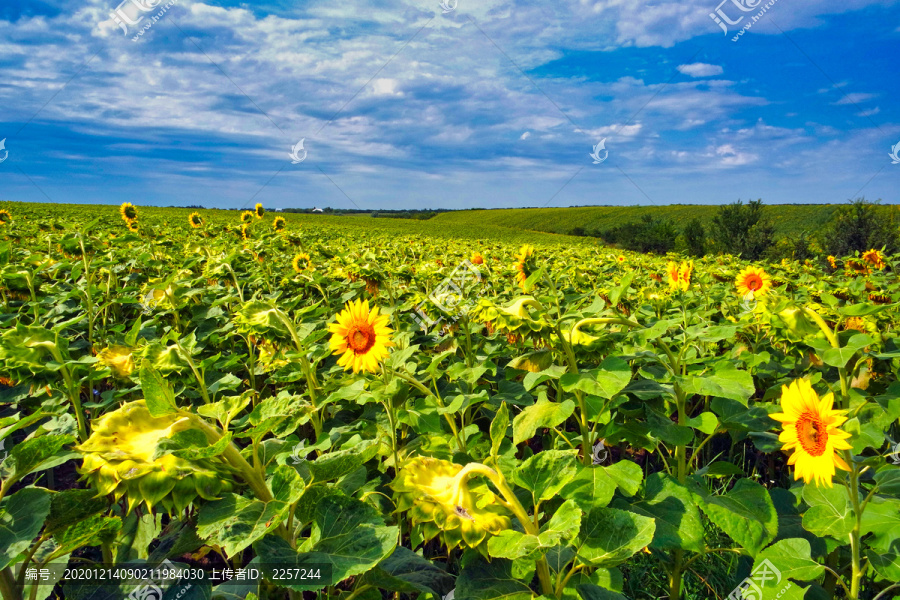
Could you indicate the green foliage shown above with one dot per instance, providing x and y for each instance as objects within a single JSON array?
[
  {"x": 859, "y": 226},
  {"x": 742, "y": 229}
]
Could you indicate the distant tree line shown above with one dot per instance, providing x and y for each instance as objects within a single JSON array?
[
  {"x": 418, "y": 214},
  {"x": 743, "y": 229}
]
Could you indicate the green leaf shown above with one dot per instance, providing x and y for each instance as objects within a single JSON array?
[
  {"x": 21, "y": 518},
  {"x": 609, "y": 537},
  {"x": 346, "y": 533},
  {"x": 678, "y": 523},
  {"x": 562, "y": 526},
  {"x": 616, "y": 294},
  {"x": 793, "y": 558},
  {"x": 722, "y": 380},
  {"x": 37, "y": 454},
  {"x": 498, "y": 429},
  {"x": 705, "y": 422},
  {"x": 407, "y": 572},
  {"x": 286, "y": 484},
  {"x": 746, "y": 514},
  {"x": 235, "y": 522},
  {"x": 888, "y": 480},
  {"x": 71, "y": 506},
  {"x": 510, "y": 544},
  {"x": 594, "y": 486},
  {"x": 340, "y": 463},
  {"x": 595, "y": 592},
  {"x": 606, "y": 381},
  {"x": 543, "y": 414},
  {"x": 157, "y": 392},
  {"x": 546, "y": 473},
  {"x": 829, "y": 511},
  {"x": 886, "y": 564},
  {"x": 482, "y": 580},
  {"x": 191, "y": 444},
  {"x": 92, "y": 531}
]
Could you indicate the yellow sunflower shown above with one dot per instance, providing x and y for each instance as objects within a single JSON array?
[
  {"x": 132, "y": 226},
  {"x": 245, "y": 232},
  {"x": 5, "y": 217},
  {"x": 810, "y": 429},
  {"x": 620, "y": 258},
  {"x": 524, "y": 264},
  {"x": 246, "y": 216},
  {"x": 753, "y": 280},
  {"x": 259, "y": 211},
  {"x": 440, "y": 500},
  {"x": 832, "y": 261},
  {"x": 118, "y": 359},
  {"x": 672, "y": 272},
  {"x": 477, "y": 259},
  {"x": 874, "y": 258},
  {"x": 278, "y": 224},
  {"x": 302, "y": 262},
  {"x": 129, "y": 212},
  {"x": 360, "y": 336},
  {"x": 684, "y": 275},
  {"x": 195, "y": 220}
]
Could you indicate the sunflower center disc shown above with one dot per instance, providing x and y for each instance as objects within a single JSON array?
[
  {"x": 361, "y": 338},
  {"x": 812, "y": 434}
]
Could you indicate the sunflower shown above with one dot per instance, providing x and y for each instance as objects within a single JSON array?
[
  {"x": 360, "y": 336},
  {"x": 832, "y": 261},
  {"x": 810, "y": 429},
  {"x": 620, "y": 258},
  {"x": 195, "y": 220},
  {"x": 477, "y": 259},
  {"x": 129, "y": 212},
  {"x": 874, "y": 258},
  {"x": 132, "y": 226},
  {"x": 672, "y": 272},
  {"x": 245, "y": 232},
  {"x": 246, "y": 216},
  {"x": 858, "y": 267},
  {"x": 525, "y": 264},
  {"x": 5, "y": 217},
  {"x": 753, "y": 280},
  {"x": 118, "y": 359},
  {"x": 302, "y": 262},
  {"x": 259, "y": 211},
  {"x": 278, "y": 224},
  {"x": 440, "y": 500}
]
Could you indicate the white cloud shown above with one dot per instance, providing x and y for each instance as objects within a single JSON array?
[{"x": 700, "y": 70}]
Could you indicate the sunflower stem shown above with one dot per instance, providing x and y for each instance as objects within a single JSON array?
[{"x": 853, "y": 487}]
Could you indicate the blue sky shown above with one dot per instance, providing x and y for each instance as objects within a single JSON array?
[{"x": 491, "y": 104}]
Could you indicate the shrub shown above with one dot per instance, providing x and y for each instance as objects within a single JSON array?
[
  {"x": 742, "y": 229},
  {"x": 695, "y": 238},
  {"x": 646, "y": 235},
  {"x": 859, "y": 226}
]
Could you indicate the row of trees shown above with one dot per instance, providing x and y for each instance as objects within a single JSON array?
[{"x": 744, "y": 229}]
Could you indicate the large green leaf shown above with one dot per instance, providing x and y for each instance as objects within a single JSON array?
[
  {"x": 235, "y": 522},
  {"x": 595, "y": 592},
  {"x": 793, "y": 559},
  {"x": 562, "y": 526},
  {"x": 159, "y": 395},
  {"x": 829, "y": 511},
  {"x": 724, "y": 381},
  {"x": 347, "y": 535},
  {"x": 545, "y": 473},
  {"x": 340, "y": 463},
  {"x": 609, "y": 536},
  {"x": 71, "y": 506},
  {"x": 37, "y": 454},
  {"x": 594, "y": 486},
  {"x": 482, "y": 580},
  {"x": 407, "y": 572},
  {"x": 678, "y": 523},
  {"x": 21, "y": 518},
  {"x": 542, "y": 414},
  {"x": 746, "y": 514},
  {"x": 606, "y": 381}
]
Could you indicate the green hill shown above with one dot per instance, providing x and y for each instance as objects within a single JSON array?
[{"x": 789, "y": 219}]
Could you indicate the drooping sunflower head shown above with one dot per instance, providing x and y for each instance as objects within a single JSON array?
[
  {"x": 278, "y": 224},
  {"x": 874, "y": 258},
  {"x": 525, "y": 264},
  {"x": 302, "y": 262},
  {"x": 259, "y": 211},
  {"x": 753, "y": 280},
  {"x": 195, "y": 220},
  {"x": 441, "y": 502},
  {"x": 245, "y": 231},
  {"x": 810, "y": 428},
  {"x": 857, "y": 267},
  {"x": 133, "y": 226},
  {"x": 5, "y": 217},
  {"x": 128, "y": 211},
  {"x": 118, "y": 359},
  {"x": 360, "y": 336},
  {"x": 120, "y": 459},
  {"x": 246, "y": 216}
]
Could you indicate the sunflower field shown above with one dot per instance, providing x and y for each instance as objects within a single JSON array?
[{"x": 219, "y": 404}]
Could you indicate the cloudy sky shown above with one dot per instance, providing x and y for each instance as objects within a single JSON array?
[{"x": 487, "y": 103}]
